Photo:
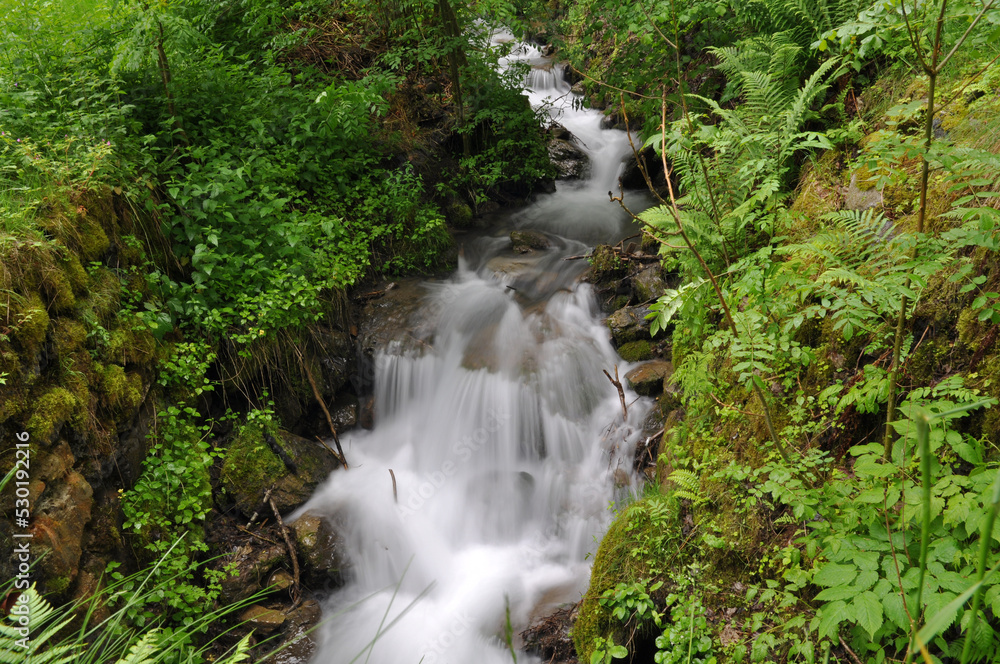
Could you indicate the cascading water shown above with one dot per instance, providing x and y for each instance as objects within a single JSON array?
[{"x": 504, "y": 439}]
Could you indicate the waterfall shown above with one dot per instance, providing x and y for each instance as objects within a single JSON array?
[{"x": 503, "y": 435}]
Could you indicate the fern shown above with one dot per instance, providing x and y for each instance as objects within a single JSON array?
[
  {"x": 17, "y": 646},
  {"x": 688, "y": 486}
]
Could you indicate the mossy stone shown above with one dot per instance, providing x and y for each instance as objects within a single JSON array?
[
  {"x": 78, "y": 278},
  {"x": 94, "y": 242},
  {"x": 32, "y": 324},
  {"x": 605, "y": 263},
  {"x": 58, "y": 290},
  {"x": 636, "y": 351},
  {"x": 251, "y": 467},
  {"x": 68, "y": 336},
  {"x": 623, "y": 557},
  {"x": 51, "y": 411}
]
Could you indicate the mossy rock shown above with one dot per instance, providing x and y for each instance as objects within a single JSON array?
[
  {"x": 77, "y": 276},
  {"x": 629, "y": 324},
  {"x": 649, "y": 284},
  {"x": 636, "y": 351},
  {"x": 251, "y": 467},
  {"x": 458, "y": 213},
  {"x": 94, "y": 242},
  {"x": 32, "y": 323},
  {"x": 58, "y": 289},
  {"x": 68, "y": 336},
  {"x": 122, "y": 391},
  {"x": 605, "y": 263},
  {"x": 51, "y": 411},
  {"x": 636, "y": 544}
]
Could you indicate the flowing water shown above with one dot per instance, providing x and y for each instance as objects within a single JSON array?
[{"x": 504, "y": 436}]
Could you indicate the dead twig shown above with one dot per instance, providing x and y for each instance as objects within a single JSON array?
[
  {"x": 621, "y": 391},
  {"x": 336, "y": 456},
  {"x": 395, "y": 496},
  {"x": 267, "y": 497},
  {"x": 253, "y": 534},
  {"x": 296, "y": 590}
]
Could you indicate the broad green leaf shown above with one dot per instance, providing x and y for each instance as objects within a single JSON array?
[
  {"x": 834, "y": 574},
  {"x": 830, "y": 617},
  {"x": 867, "y": 611}
]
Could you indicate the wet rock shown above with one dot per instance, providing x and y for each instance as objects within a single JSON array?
[
  {"x": 858, "y": 197},
  {"x": 57, "y": 527},
  {"x": 253, "y": 565},
  {"x": 556, "y": 130},
  {"x": 648, "y": 284},
  {"x": 262, "y": 620},
  {"x": 629, "y": 324},
  {"x": 524, "y": 242},
  {"x": 390, "y": 318},
  {"x": 297, "y": 642},
  {"x": 344, "y": 412},
  {"x": 251, "y": 467},
  {"x": 571, "y": 162},
  {"x": 632, "y": 175},
  {"x": 322, "y": 554},
  {"x": 648, "y": 379},
  {"x": 605, "y": 264},
  {"x": 366, "y": 412},
  {"x": 509, "y": 266},
  {"x": 280, "y": 580},
  {"x": 458, "y": 213},
  {"x": 612, "y": 120}
]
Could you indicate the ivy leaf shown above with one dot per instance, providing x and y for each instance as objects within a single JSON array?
[
  {"x": 868, "y": 612},
  {"x": 833, "y": 574}
]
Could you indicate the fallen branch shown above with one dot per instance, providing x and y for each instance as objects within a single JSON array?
[
  {"x": 395, "y": 496},
  {"x": 267, "y": 497},
  {"x": 621, "y": 391},
  {"x": 295, "y": 591},
  {"x": 336, "y": 456},
  {"x": 253, "y": 534},
  {"x": 322, "y": 404}
]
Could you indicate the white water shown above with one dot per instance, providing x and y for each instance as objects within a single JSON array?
[{"x": 504, "y": 438}]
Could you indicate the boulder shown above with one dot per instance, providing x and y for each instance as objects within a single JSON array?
[
  {"x": 648, "y": 284},
  {"x": 262, "y": 620},
  {"x": 629, "y": 324},
  {"x": 344, "y": 412},
  {"x": 57, "y": 524},
  {"x": 297, "y": 642},
  {"x": 252, "y": 466},
  {"x": 524, "y": 242},
  {"x": 648, "y": 379},
  {"x": 861, "y": 196},
  {"x": 322, "y": 554},
  {"x": 571, "y": 162}
]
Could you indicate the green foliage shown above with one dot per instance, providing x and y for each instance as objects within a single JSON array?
[
  {"x": 109, "y": 640},
  {"x": 685, "y": 637}
]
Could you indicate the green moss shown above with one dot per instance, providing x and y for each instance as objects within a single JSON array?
[
  {"x": 94, "y": 243},
  {"x": 137, "y": 346},
  {"x": 32, "y": 324},
  {"x": 249, "y": 462},
  {"x": 58, "y": 289},
  {"x": 121, "y": 391},
  {"x": 605, "y": 263},
  {"x": 636, "y": 351},
  {"x": 77, "y": 277},
  {"x": 637, "y": 543},
  {"x": 51, "y": 411},
  {"x": 68, "y": 336}
]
